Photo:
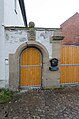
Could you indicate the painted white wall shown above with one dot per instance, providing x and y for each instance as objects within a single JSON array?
[
  {"x": 44, "y": 38},
  {"x": 2, "y": 58},
  {"x": 14, "y": 38},
  {"x": 10, "y": 16},
  {"x": 2, "y": 51},
  {"x": 1, "y": 12}
]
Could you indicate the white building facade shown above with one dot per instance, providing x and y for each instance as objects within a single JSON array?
[{"x": 10, "y": 15}]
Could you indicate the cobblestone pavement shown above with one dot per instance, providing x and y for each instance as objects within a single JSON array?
[{"x": 43, "y": 104}]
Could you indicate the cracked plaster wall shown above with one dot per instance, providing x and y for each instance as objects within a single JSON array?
[{"x": 15, "y": 37}]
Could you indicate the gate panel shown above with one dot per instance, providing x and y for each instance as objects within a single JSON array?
[
  {"x": 30, "y": 67},
  {"x": 69, "y": 64}
]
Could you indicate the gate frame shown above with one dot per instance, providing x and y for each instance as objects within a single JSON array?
[{"x": 14, "y": 64}]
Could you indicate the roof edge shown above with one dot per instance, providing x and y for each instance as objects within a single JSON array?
[
  {"x": 22, "y": 6},
  {"x": 69, "y": 18}
]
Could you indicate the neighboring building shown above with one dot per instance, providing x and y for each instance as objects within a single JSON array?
[
  {"x": 69, "y": 57},
  {"x": 12, "y": 13},
  {"x": 70, "y": 30}
]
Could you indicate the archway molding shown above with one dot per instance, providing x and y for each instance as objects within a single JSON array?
[{"x": 14, "y": 64}]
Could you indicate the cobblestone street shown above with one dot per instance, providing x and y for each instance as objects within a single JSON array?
[{"x": 43, "y": 104}]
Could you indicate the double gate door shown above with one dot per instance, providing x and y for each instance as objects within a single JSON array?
[
  {"x": 30, "y": 67},
  {"x": 69, "y": 64}
]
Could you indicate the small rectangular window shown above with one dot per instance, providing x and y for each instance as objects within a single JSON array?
[{"x": 15, "y": 6}]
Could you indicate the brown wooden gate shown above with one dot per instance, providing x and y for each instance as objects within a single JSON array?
[
  {"x": 30, "y": 67},
  {"x": 69, "y": 64}
]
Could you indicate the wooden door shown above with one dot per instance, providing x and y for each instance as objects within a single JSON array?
[
  {"x": 30, "y": 67},
  {"x": 69, "y": 64}
]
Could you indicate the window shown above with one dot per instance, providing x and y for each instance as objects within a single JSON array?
[{"x": 15, "y": 6}]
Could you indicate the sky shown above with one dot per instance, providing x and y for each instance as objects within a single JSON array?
[{"x": 50, "y": 13}]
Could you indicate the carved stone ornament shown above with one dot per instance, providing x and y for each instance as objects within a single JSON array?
[{"x": 31, "y": 32}]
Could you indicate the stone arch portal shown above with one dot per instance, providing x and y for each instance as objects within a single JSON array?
[{"x": 14, "y": 64}]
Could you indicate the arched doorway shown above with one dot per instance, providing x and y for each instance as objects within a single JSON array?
[
  {"x": 15, "y": 62},
  {"x": 30, "y": 67}
]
